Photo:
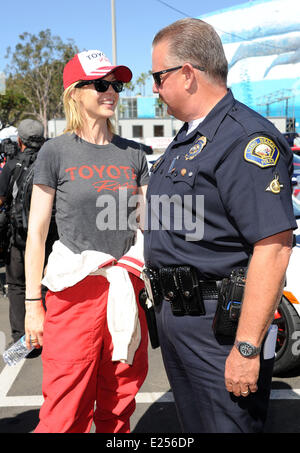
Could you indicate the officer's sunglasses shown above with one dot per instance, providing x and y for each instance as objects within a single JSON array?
[
  {"x": 102, "y": 85},
  {"x": 156, "y": 75}
]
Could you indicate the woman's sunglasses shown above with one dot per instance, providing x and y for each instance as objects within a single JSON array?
[{"x": 102, "y": 85}]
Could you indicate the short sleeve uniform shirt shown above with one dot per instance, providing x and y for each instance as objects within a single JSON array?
[{"x": 217, "y": 191}]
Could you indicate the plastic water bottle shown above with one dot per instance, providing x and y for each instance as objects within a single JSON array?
[{"x": 16, "y": 352}]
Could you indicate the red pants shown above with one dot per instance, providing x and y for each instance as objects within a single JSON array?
[{"x": 77, "y": 366}]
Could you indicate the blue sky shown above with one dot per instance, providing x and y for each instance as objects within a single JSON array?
[{"x": 88, "y": 23}]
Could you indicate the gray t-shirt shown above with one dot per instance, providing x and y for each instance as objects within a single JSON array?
[{"x": 96, "y": 191}]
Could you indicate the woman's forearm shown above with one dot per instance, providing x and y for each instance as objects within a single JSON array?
[
  {"x": 39, "y": 220},
  {"x": 34, "y": 265}
]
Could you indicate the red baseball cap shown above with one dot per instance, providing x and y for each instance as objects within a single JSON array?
[{"x": 91, "y": 65}]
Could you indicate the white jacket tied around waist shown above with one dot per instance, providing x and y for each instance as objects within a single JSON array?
[{"x": 65, "y": 269}]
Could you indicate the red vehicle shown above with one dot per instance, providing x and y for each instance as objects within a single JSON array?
[{"x": 296, "y": 150}]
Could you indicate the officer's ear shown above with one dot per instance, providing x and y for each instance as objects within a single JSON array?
[{"x": 189, "y": 76}]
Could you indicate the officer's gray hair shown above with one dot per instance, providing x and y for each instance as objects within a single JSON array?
[{"x": 195, "y": 41}]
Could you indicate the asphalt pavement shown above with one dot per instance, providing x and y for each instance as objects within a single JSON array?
[{"x": 21, "y": 395}]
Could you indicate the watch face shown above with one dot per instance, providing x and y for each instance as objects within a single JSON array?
[{"x": 246, "y": 349}]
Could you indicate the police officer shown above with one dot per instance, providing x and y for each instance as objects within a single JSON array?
[
  {"x": 30, "y": 139},
  {"x": 219, "y": 195}
]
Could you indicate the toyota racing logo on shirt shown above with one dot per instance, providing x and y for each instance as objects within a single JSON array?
[{"x": 111, "y": 176}]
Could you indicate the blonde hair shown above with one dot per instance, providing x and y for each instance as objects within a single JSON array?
[{"x": 73, "y": 113}]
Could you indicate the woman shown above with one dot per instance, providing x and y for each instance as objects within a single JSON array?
[{"x": 94, "y": 334}]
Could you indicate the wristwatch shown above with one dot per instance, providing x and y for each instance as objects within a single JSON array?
[{"x": 247, "y": 349}]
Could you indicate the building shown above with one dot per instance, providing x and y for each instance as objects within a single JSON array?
[
  {"x": 262, "y": 40},
  {"x": 146, "y": 119}
]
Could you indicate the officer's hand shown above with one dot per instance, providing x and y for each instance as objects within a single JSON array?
[
  {"x": 34, "y": 324},
  {"x": 241, "y": 374}
]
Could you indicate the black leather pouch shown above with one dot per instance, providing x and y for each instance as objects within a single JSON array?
[
  {"x": 170, "y": 290},
  {"x": 190, "y": 291},
  {"x": 230, "y": 303}
]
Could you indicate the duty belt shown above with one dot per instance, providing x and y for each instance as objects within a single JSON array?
[{"x": 181, "y": 286}]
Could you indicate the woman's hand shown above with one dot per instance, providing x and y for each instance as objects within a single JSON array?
[{"x": 34, "y": 324}]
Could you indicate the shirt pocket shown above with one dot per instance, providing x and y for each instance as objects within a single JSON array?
[{"x": 183, "y": 174}]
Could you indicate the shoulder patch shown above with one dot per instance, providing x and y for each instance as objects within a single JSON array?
[{"x": 262, "y": 151}]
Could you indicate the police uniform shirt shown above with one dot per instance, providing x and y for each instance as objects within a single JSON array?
[{"x": 217, "y": 191}]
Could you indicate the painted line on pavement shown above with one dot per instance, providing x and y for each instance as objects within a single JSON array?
[
  {"x": 9, "y": 374},
  {"x": 141, "y": 398}
]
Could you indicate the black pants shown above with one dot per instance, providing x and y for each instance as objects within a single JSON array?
[
  {"x": 195, "y": 362},
  {"x": 15, "y": 279}
]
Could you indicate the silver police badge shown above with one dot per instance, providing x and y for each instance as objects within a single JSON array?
[{"x": 196, "y": 148}]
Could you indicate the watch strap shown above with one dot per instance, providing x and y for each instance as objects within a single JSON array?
[{"x": 255, "y": 349}]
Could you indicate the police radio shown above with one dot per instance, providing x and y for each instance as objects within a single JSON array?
[{"x": 230, "y": 303}]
